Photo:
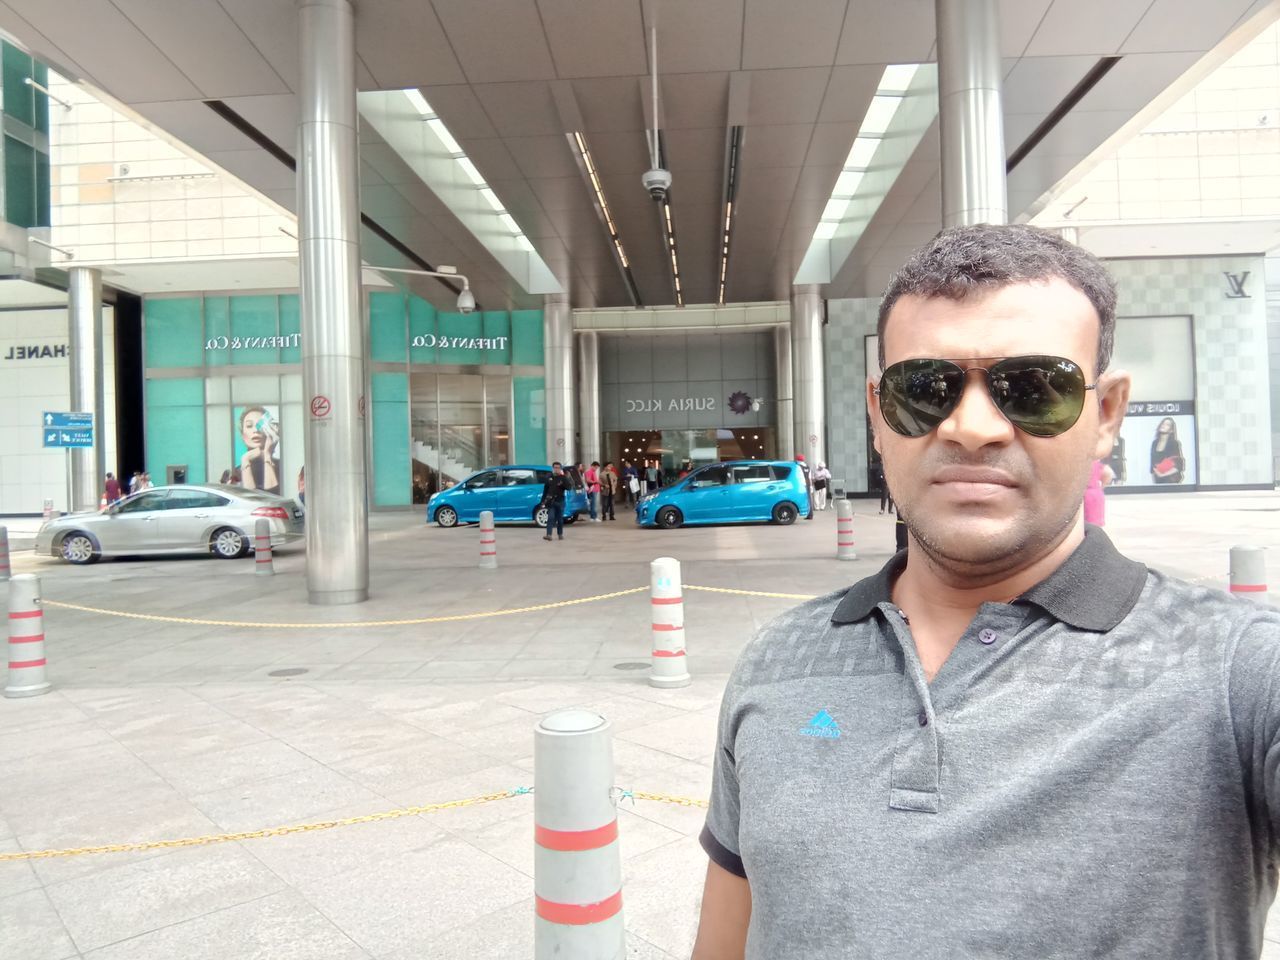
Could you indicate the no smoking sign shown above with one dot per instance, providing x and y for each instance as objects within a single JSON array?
[{"x": 320, "y": 407}]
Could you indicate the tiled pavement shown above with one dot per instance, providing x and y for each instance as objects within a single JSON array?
[{"x": 159, "y": 730}]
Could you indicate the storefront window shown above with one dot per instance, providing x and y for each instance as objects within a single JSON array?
[{"x": 497, "y": 406}]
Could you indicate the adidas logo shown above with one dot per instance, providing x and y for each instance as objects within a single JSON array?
[{"x": 822, "y": 725}]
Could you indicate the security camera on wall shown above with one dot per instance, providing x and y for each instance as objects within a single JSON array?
[{"x": 657, "y": 181}]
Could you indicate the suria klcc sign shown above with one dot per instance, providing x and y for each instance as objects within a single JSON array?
[
  {"x": 429, "y": 341},
  {"x": 674, "y": 405}
]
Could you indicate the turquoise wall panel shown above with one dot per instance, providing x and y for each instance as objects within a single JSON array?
[
  {"x": 387, "y": 328},
  {"x": 526, "y": 338},
  {"x": 254, "y": 318},
  {"x": 496, "y": 325},
  {"x": 176, "y": 426},
  {"x": 217, "y": 325},
  {"x": 290, "y": 323},
  {"x": 392, "y": 470},
  {"x": 455, "y": 327},
  {"x": 529, "y": 419},
  {"x": 422, "y": 330},
  {"x": 174, "y": 337}
]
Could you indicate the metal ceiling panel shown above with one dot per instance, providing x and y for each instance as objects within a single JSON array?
[
  {"x": 697, "y": 37},
  {"x": 1019, "y": 20},
  {"x": 403, "y": 45},
  {"x": 40, "y": 44},
  {"x": 1136, "y": 80},
  {"x": 493, "y": 159},
  {"x": 547, "y": 156},
  {"x": 214, "y": 54},
  {"x": 610, "y": 104},
  {"x": 619, "y": 153},
  {"x": 773, "y": 36},
  {"x": 519, "y": 109},
  {"x": 787, "y": 96},
  {"x": 1180, "y": 25},
  {"x": 690, "y": 150},
  {"x": 276, "y": 116},
  {"x": 830, "y": 144},
  {"x": 776, "y": 145},
  {"x": 693, "y": 99},
  {"x": 272, "y": 29},
  {"x": 878, "y": 32},
  {"x": 562, "y": 193},
  {"x": 603, "y": 38},
  {"x": 1037, "y": 84},
  {"x": 849, "y": 92},
  {"x": 461, "y": 110},
  {"x": 497, "y": 40},
  {"x": 1077, "y": 27}
]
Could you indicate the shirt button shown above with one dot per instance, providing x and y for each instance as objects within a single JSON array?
[
  {"x": 923, "y": 718},
  {"x": 988, "y": 636}
]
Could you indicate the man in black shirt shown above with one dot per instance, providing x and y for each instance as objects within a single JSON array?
[{"x": 553, "y": 492}]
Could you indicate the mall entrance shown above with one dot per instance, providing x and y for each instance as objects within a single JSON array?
[{"x": 677, "y": 447}]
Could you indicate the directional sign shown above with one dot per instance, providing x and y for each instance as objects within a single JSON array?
[{"x": 76, "y": 421}]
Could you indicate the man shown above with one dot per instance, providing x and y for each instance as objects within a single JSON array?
[
  {"x": 112, "y": 490},
  {"x": 630, "y": 483},
  {"x": 609, "y": 487},
  {"x": 592, "y": 479},
  {"x": 1012, "y": 741},
  {"x": 553, "y": 493}
]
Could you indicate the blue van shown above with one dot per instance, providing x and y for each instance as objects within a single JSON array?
[
  {"x": 514, "y": 494},
  {"x": 737, "y": 491}
]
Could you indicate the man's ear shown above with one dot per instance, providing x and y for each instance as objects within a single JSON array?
[
  {"x": 1113, "y": 402},
  {"x": 873, "y": 408}
]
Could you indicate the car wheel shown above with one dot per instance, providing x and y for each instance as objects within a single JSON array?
[
  {"x": 228, "y": 544},
  {"x": 540, "y": 517},
  {"x": 447, "y": 517},
  {"x": 785, "y": 513},
  {"x": 669, "y": 518},
  {"x": 78, "y": 548}
]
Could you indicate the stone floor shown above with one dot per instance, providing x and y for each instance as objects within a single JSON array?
[{"x": 158, "y": 730}]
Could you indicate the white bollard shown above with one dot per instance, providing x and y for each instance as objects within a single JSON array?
[
  {"x": 4, "y": 553},
  {"x": 577, "y": 866},
  {"x": 488, "y": 542},
  {"x": 27, "y": 665},
  {"x": 670, "y": 666},
  {"x": 1249, "y": 572},
  {"x": 844, "y": 531},
  {"x": 48, "y": 508},
  {"x": 262, "y": 548}
]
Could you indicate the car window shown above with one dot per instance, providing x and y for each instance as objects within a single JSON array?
[
  {"x": 543, "y": 476},
  {"x": 781, "y": 472},
  {"x": 144, "y": 503},
  {"x": 574, "y": 477},
  {"x": 512, "y": 477},
  {"x": 751, "y": 473},
  {"x": 709, "y": 477},
  {"x": 482, "y": 481},
  {"x": 193, "y": 499}
]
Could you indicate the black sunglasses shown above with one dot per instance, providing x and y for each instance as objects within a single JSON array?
[{"x": 1042, "y": 396}]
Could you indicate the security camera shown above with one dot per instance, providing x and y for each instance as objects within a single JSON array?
[
  {"x": 657, "y": 181},
  {"x": 466, "y": 300}
]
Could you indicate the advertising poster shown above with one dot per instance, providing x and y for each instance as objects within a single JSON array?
[
  {"x": 1157, "y": 446},
  {"x": 257, "y": 449}
]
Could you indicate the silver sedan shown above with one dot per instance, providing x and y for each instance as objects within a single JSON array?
[{"x": 176, "y": 519}]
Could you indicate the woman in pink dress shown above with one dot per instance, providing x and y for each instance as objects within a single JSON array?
[{"x": 1095, "y": 504}]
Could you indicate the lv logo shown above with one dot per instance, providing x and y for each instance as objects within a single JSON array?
[{"x": 1235, "y": 285}]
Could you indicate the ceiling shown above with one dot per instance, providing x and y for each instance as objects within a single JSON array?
[{"x": 512, "y": 77}]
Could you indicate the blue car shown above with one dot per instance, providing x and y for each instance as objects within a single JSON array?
[
  {"x": 738, "y": 491},
  {"x": 514, "y": 494}
]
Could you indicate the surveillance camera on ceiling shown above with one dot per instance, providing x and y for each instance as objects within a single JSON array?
[
  {"x": 466, "y": 300},
  {"x": 657, "y": 181}
]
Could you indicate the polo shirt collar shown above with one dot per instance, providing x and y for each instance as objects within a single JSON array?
[{"x": 1094, "y": 589}]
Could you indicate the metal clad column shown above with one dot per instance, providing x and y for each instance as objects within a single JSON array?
[
  {"x": 557, "y": 354},
  {"x": 589, "y": 395},
  {"x": 332, "y": 339},
  {"x": 970, "y": 112},
  {"x": 577, "y": 866},
  {"x": 783, "y": 391},
  {"x": 84, "y": 344},
  {"x": 808, "y": 386}
]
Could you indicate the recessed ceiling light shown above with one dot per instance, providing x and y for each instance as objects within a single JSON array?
[
  {"x": 897, "y": 77},
  {"x": 860, "y": 154},
  {"x": 879, "y": 115}
]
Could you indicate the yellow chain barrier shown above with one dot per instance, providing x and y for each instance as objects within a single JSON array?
[
  {"x": 752, "y": 593},
  {"x": 312, "y": 827}
]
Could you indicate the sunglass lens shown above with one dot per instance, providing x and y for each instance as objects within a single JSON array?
[
  {"x": 917, "y": 395},
  {"x": 1041, "y": 395}
]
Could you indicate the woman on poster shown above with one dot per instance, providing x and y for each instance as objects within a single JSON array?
[
  {"x": 260, "y": 465},
  {"x": 1168, "y": 465}
]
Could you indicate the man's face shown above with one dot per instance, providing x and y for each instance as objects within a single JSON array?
[{"x": 978, "y": 493}]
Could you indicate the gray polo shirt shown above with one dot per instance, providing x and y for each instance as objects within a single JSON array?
[{"x": 1093, "y": 772}]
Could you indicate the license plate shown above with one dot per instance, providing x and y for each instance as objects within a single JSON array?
[{"x": 296, "y": 513}]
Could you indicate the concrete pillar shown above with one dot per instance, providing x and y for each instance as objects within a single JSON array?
[
  {"x": 782, "y": 390},
  {"x": 589, "y": 395},
  {"x": 808, "y": 382},
  {"x": 84, "y": 344},
  {"x": 557, "y": 355},
  {"x": 331, "y": 324},
  {"x": 970, "y": 112}
]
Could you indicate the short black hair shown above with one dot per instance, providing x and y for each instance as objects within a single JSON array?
[
  {"x": 985, "y": 257},
  {"x": 557, "y": 463}
]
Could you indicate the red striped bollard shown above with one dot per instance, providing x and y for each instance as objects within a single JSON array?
[
  {"x": 577, "y": 866},
  {"x": 488, "y": 542},
  {"x": 670, "y": 666},
  {"x": 1249, "y": 572},
  {"x": 844, "y": 531},
  {"x": 262, "y": 547},
  {"x": 48, "y": 508},
  {"x": 4, "y": 553},
  {"x": 27, "y": 673}
]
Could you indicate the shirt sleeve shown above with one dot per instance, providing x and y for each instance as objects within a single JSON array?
[
  {"x": 1254, "y": 693},
  {"x": 720, "y": 834}
]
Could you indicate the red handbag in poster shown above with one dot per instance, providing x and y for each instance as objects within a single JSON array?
[{"x": 1165, "y": 468}]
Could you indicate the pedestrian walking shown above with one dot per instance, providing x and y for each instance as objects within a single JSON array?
[
  {"x": 821, "y": 485},
  {"x": 610, "y": 485},
  {"x": 144, "y": 483},
  {"x": 553, "y": 494},
  {"x": 651, "y": 476},
  {"x": 1095, "y": 503},
  {"x": 134, "y": 481},
  {"x": 1012, "y": 740},
  {"x": 630, "y": 483},
  {"x": 592, "y": 479},
  {"x": 808, "y": 483},
  {"x": 877, "y": 478},
  {"x": 112, "y": 489}
]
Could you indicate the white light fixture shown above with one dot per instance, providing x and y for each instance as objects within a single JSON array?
[
  {"x": 860, "y": 154},
  {"x": 826, "y": 230},
  {"x": 879, "y": 115},
  {"x": 492, "y": 199},
  {"x": 589, "y": 165},
  {"x": 470, "y": 170},
  {"x": 897, "y": 78},
  {"x": 419, "y": 102},
  {"x": 443, "y": 135},
  {"x": 835, "y": 209},
  {"x": 509, "y": 222},
  {"x": 847, "y": 183}
]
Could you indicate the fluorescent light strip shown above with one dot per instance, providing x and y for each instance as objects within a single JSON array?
[
  {"x": 730, "y": 194},
  {"x": 670, "y": 226},
  {"x": 590, "y": 166}
]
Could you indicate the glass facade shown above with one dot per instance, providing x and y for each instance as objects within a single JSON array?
[
  {"x": 26, "y": 138},
  {"x": 675, "y": 449},
  {"x": 449, "y": 393}
]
